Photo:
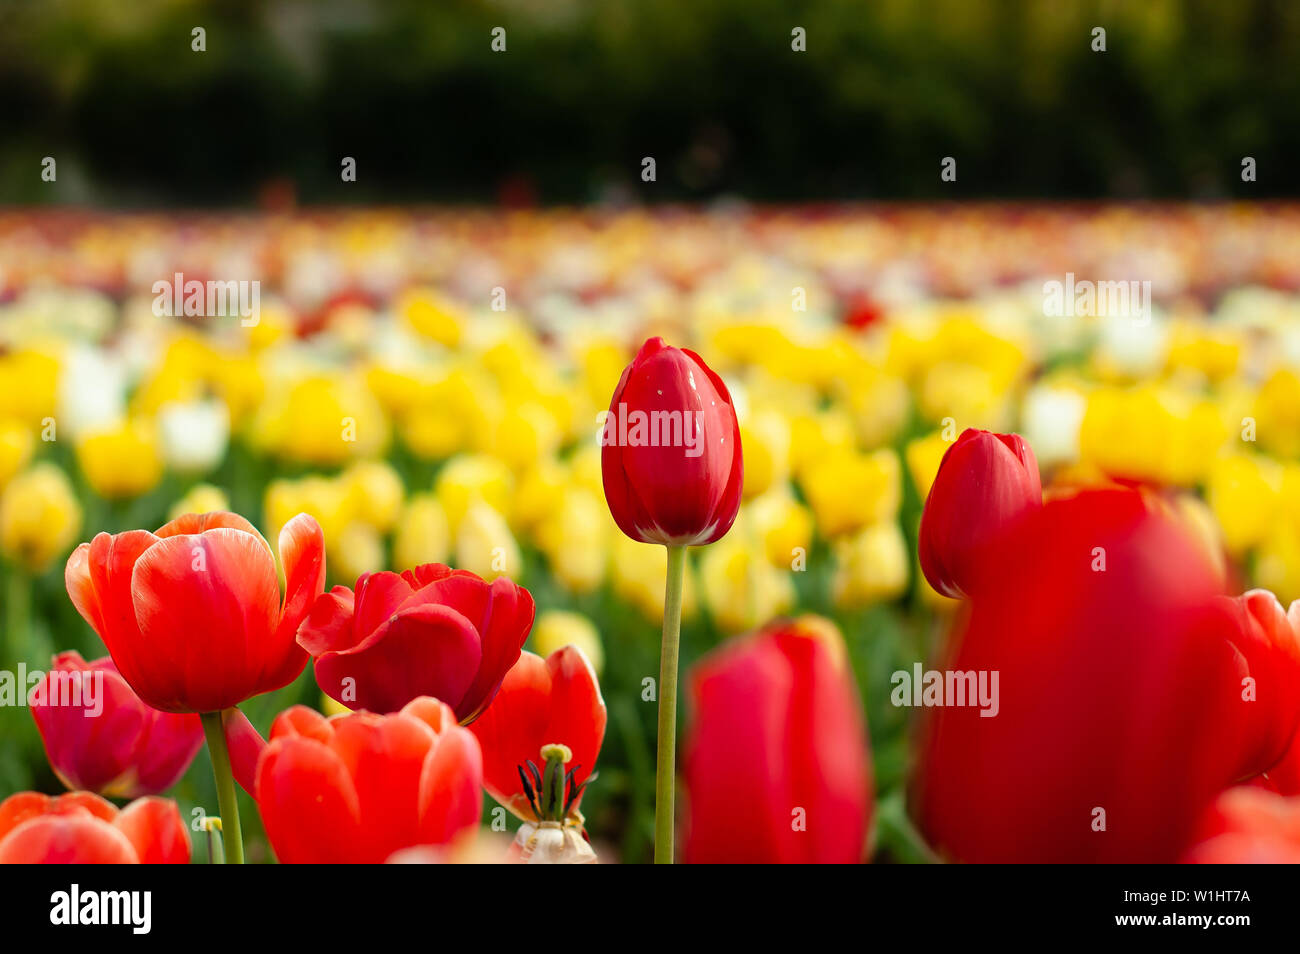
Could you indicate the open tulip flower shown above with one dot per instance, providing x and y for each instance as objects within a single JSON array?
[
  {"x": 82, "y": 828},
  {"x": 777, "y": 758},
  {"x": 99, "y": 736},
  {"x": 429, "y": 631},
  {"x": 194, "y": 619},
  {"x": 192, "y": 615},
  {"x": 542, "y": 702},
  {"x": 356, "y": 788}
]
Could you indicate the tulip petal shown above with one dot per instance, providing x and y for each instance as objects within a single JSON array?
[
  {"x": 154, "y": 828},
  {"x": 449, "y": 799},
  {"x": 308, "y": 803}
]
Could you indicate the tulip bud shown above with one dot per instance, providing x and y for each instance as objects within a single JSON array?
[
  {"x": 670, "y": 450},
  {"x": 985, "y": 483}
]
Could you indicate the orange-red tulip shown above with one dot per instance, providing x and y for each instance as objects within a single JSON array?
[
  {"x": 356, "y": 788},
  {"x": 542, "y": 702},
  {"x": 778, "y": 765},
  {"x": 430, "y": 631},
  {"x": 99, "y": 735},
  {"x": 1121, "y": 713},
  {"x": 1249, "y": 825},
  {"x": 985, "y": 484},
  {"x": 82, "y": 828},
  {"x": 670, "y": 456},
  {"x": 192, "y": 615}
]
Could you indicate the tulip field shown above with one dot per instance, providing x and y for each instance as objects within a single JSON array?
[{"x": 835, "y": 533}]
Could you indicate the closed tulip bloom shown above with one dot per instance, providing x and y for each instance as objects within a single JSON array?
[
  {"x": 1248, "y": 825},
  {"x": 985, "y": 484},
  {"x": 428, "y": 631},
  {"x": 192, "y": 615},
  {"x": 82, "y": 828},
  {"x": 1122, "y": 707},
  {"x": 552, "y": 701},
  {"x": 354, "y": 789},
  {"x": 670, "y": 450},
  {"x": 99, "y": 735},
  {"x": 777, "y": 758}
]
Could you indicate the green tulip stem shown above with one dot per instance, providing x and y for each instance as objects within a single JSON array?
[
  {"x": 666, "y": 763},
  {"x": 231, "y": 837}
]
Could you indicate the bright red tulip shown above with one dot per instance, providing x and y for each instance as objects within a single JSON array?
[
  {"x": 355, "y": 788},
  {"x": 778, "y": 766},
  {"x": 670, "y": 450},
  {"x": 985, "y": 484},
  {"x": 192, "y": 615},
  {"x": 1121, "y": 714},
  {"x": 542, "y": 702},
  {"x": 99, "y": 736},
  {"x": 1249, "y": 825},
  {"x": 82, "y": 828},
  {"x": 430, "y": 631}
]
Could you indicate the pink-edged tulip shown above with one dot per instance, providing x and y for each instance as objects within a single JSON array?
[
  {"x": 429, "y": 631},
  {"x": 985, "y": 484},
  {"x": 670, "y": 450},
  {"x": 82, "y": 828},
  {"x": 551, "y": 701},
  {"x": 777, "y": 762},
  {"x": 357, "y": 788},
  {"x": 1248, "y": 825},
  {"x": 193, "y": 615},
  {"x": 1121, "y": 713},
  {"x": 101, "y": 737}
]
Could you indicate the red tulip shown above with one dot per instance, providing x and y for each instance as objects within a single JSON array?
[
  {"x": 542, "y": 702},
  {"x": 358, "y": 787},
  {"x": 985, "y": 484},
  {"x": 777, "y": 761},
  {"x": 671, "y": 457},
  {"x": 103, "y": 738},
  {"x": 1249, "y": 825},
  {"x": 430, "y": 631},
  {"x": 1121, "y": 714},
  {"x": 192, "y": 615},
  {"x": 82, "y": 828}
]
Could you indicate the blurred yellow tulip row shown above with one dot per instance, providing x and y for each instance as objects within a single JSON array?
[{"x": 485, "y": 348}]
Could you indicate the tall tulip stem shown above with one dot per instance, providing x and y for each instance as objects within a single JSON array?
[
  {"x": 666, "y": 764},
  {"x": 231, "y": 837}
]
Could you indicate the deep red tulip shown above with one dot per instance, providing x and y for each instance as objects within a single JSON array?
[
  {"x": 1121, "y": 714},
  {"x": 670, "y": 450},
  {"x": 777, "y": 762},
  {"x": 430, "y": 631},
  {"x": 82, "y": 828},
  {"x": 985, "y": 484},
  {"x": 99, "y": 736},
  {"x": 542, "y": 702},
  {"x": 1249, "y": 825},
  {"x": 192, "y": 615},
  {"x": 356, "y": 788}
]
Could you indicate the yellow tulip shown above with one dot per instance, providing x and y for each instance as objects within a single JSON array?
[
  {"x": 121, "y": 462},
  {"x": 525, "y": 433},
  {"x": 848, "y": 490},
  {"x": 575, "y": 539},
  {"x": 423, "y": 535},
  {"x": 322, "y": 419},
  {"x": 40, "y": 517},
  {"x": 782, "y": 526},
  {"x": 765, "y": 440},
  {"x": 534, "y": 498},
  {"x": 556, "y": 629},
  {"x": 201, "y": 498},
  {"x": 322, "y": 497},
  {"x": 639, "y": 573},
  {"x": 375, "y": 493},
  {"x": 1244, "y": 492},
  {"x": 471, "y": 477},
  {"x": 433, "y": 315},
  {"x": 1277, "y": 413},
  {"x": 1277, "y": 564},
  {"x": 485, "y": 545},
  {"x": 29, "y": 386},
  {"x": 743, "y": 590},
  {"x": 872, "y": 566},
  {"x": 16, "y": 445},
  {"x": 923, "y": 456},
  {"x": 357, "y": 550}
]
